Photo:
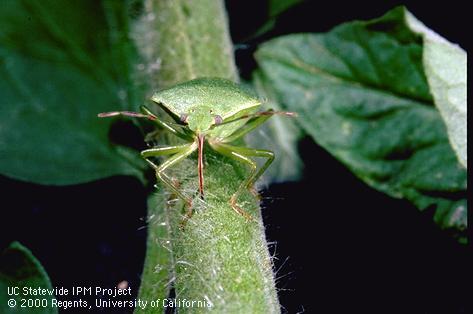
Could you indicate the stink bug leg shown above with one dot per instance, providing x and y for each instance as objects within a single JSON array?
[{"x": 244, "y": 154}]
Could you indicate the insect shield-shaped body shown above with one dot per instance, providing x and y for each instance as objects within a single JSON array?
[
  {"x": 205, "y": 102},
  {"x": 215, "y": 110}
]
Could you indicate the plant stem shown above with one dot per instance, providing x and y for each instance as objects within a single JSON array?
[{"x": 219, "y": 258}]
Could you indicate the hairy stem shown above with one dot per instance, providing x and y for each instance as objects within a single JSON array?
[{"x": 219, "y": 258}]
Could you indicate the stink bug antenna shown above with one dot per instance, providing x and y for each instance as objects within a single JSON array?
[
  {"x": 262, "y": 113},
  {"x": 146, "y": 115},
  {"x": 176, "y": 129},
  {"x": 127, "y": 114}
]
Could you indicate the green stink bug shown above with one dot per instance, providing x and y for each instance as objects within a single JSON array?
[{"x": 215, "y": 110}]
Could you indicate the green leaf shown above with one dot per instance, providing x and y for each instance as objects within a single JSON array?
[
  {"x": 56, "y": 74},
  {"x": 361, "y": 93},
  {"x": 445, "y": 67},
  {"x": 19, "y": 268},
  {"x": 276, "y": 7}
]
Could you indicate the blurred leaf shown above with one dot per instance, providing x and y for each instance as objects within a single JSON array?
[
  {"x": 279, "y": 134},
  {"x": 276, "y": 7},
  {"x": 445, "y": 67},
  {"x": 61, "y": 63},
  {"x": 19, "y": 268},
  {"x": 361, "y": 93}
]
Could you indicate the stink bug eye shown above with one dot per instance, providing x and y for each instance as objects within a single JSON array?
[{"x": 218, "y": 120}]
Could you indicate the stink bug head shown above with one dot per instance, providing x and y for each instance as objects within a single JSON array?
[{"x": 201, "y": 118}]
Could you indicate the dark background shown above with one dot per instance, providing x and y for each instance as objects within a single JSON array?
[{"x": 341, "y": 247}]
